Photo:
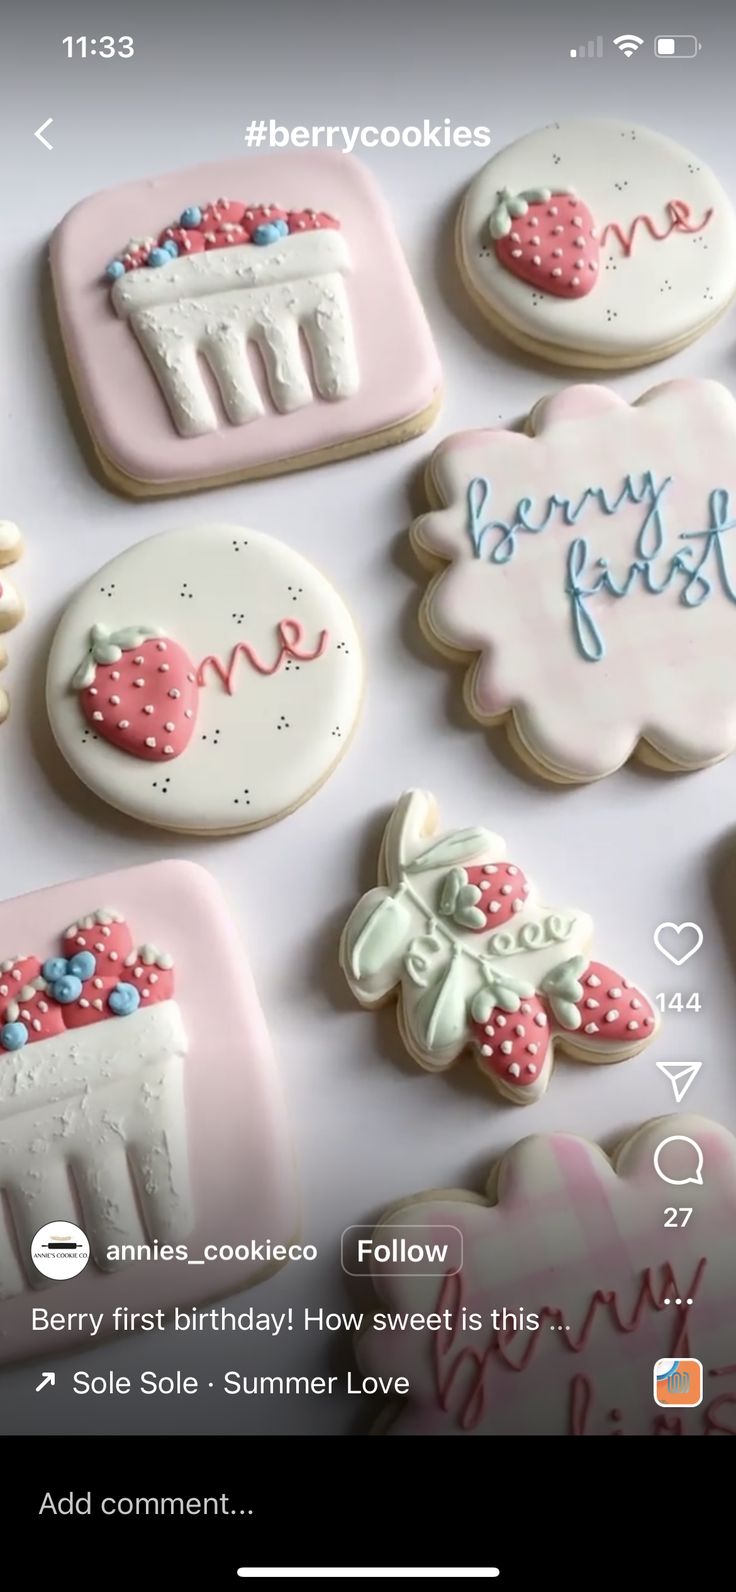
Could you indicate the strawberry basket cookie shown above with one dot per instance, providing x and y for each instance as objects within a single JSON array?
[
  {"x": 478, "y": 963},
  {"x": 246, "y": 338},
  {"x": 206, "y": 680},
  {"x": 597, "y": 243},
  {"x": 11, "y": 603},
  {"x": 116, "y": 1107}
]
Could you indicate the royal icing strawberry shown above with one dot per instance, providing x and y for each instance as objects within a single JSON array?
[
  {"x": 99, "y": 976},
  {"x": 310, "y": 220},
  {"x": 139, "y": 691},
  {"x": 151, "y": 972},
  {"x": 512, "y": 1041},
  {"x": 612, "y": 1010},
  {"x": 485, "y": 897},
  {"x": 15, "y": 972},
  {"x": 547, "y": 238},
  {"x": 106, "y": 935},
  {"x": 225, "y": 237},
  {"x": 188, "y": 240},
  {"x": 223, "y": 213}
]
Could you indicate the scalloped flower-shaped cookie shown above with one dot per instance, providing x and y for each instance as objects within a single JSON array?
[{"x": 592, "y": 573}]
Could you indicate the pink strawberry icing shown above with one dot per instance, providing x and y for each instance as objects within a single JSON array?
[{"x": 99, "y": 975}]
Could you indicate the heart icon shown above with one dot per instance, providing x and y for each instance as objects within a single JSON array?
[{"x": 693, "y": 933}]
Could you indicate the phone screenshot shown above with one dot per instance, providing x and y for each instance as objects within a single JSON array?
[{"x": 368, "y": 768}]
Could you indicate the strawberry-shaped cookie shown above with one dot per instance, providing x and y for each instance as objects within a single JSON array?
[
  {"x": 547, "y": 238},
  {"x": 612, "y": 1010},
  {"x": 512, "y": 1039},
  {"x": 483, "y": 898},
  {"x": 138, "y": 690}
]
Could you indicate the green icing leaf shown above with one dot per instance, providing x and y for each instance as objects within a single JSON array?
[
  {"x": 470, "y": 917},
  {"x": 453, "y": 883},
  {"x": 85, "y": 674},
  {"x": 132, "y": 636},
  {"x": 481, "y": 1006},
  {"x": 460, "y": 847},
  {"x": 563, "y": 988},
  {"x": 380, "y": 938},
  {"x": 442, "y": 1011}
]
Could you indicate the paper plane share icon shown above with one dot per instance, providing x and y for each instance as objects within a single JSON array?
[{"x": 681, "y": 1074}]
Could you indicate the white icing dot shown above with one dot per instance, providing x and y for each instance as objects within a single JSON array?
[
  {"x": 145, "y": 994},
  {"x": 626, "y": 983},
  {"x": 189, "y": 713},
  {"x": 516, "y": 254},
  {"x": 557, "y": 271},
  {"x": 591, "y": 1004},
  {"x": 139, "y": 683},
  {"x": 556, "y": 254},
  {"x": 113, "y": 956},
  {"x": 591, "y": 1028},
  {"x": 541, "y": 1019},
  {"x": 525, "y": 1008},
  {"x": 98, "y": 718},
  {"x": 577, "y": 221},
  {"x": 486, "y": 1050},
  {"x": 123, "y": 724},
  {"x": 632, "y": 1025},
  {"x": 36, "y": 1024},
  {"x": 635, "y": 1005},
  {"x": 516, "y": 237},
  {"x": 97, "y": 1005},
  {"x": 93, "y": 690},
  {"x": 170, "y": 727},
  {"x": 531, "y": 1068},
  {"x": 140, "y": 659},
  {"x": 163, "y": 668},
  {"x": 43, "y": 1006},
  {"x": 593, "y": 980},
  {"x": 557, "y": 231},
  {"x": 153, "y": 979},
  {"x": 168, "y": 751},
  {"x": 501, "y": 1020},
  {"x": 490, "y": 867},
  {"x": 148, "y": 707},
  {"x": 174, "y": 693},
  {"x": 83, "y": 1003},
  {"x": 520, "y": 1030},
  {"x": 576, "y": 281},
  {"x": 114, "y": 674},
  {"x": 580, "y": 243},
  {"x": 97, "y": 983},
  {"x": 507, "y": 1047},
  {"x": 160, "y": 646},
  {"x": 137, "y": 972},
  {"x": 612, "y": 1015},
  {"x": 514, "y": 1069},
  {"x": 553, "y": 211},
  {"x": 506, "y": 889},
  {"x": 614, "y": 993},
  {"x": 536, "y": 259},
  {"x": 485, "y": 884},
  {"x": 150, "y": 740},
  {"x": 532, "y": 1049},
  {"x": 495, "y": 906},
  {"x": 512, "y": 871},
  {"x": 115, "y": 701},
  {"x": 80, "y": 941}
]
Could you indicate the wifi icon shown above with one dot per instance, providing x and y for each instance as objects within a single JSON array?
[{"x": 628, "y": 43}]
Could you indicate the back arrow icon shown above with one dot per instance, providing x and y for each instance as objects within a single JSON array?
[{"x": 40, "y": 132}]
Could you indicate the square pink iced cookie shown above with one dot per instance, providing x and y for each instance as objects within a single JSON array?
[
  {"x": 138, "y": 1098},
  {"x": 212, "y": 338}
]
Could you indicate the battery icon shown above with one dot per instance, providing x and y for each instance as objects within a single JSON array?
[{"x": 677, "y": 45}]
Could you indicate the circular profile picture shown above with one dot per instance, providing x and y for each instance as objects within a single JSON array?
[{"x": 60, "y": 1250}]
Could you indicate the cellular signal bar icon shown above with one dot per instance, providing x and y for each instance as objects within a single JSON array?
[{"x": 592, "y": 48}]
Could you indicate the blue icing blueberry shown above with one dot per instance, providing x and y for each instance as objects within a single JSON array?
[
  {"x": 82, "y": 965},
  {"x": 13, "y": 1036},
  {"x": 267, "y": 232},
  {"x": 158, "y": 257},
  {"x": 171, "y": 246},
  {"x": 55, "y": 968},
  {"x": 114, "y": 270},
  {"x": 66, "y": 989},
  {"x": 191, "y": 217},
  {"x": 123, "y": 1000},
  {"x": 282, "y": 227}
]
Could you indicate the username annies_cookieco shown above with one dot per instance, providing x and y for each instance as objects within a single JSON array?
[{"x": 261, "y": 1249}]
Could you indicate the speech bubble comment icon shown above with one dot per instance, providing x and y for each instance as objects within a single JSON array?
[{"x": 688, "y": 1166}]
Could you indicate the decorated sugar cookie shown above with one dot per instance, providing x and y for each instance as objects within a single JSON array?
[
  {"x": 478, "y": 963},
  {"x": 118, "y": 1112},
  {"x": 598, "y": 243},
  {"x": 598, "y": 1283},
  {"x": 206, "y": 680},
  {"x": 11, "y": 603},
  {"x": 587, "y": 570},
  {"x": 246, "y": 338}
]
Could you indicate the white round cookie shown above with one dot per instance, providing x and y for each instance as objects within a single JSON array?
[
  {"x": 207, "y": 680},
  {"x": 654, "y": 232}
]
